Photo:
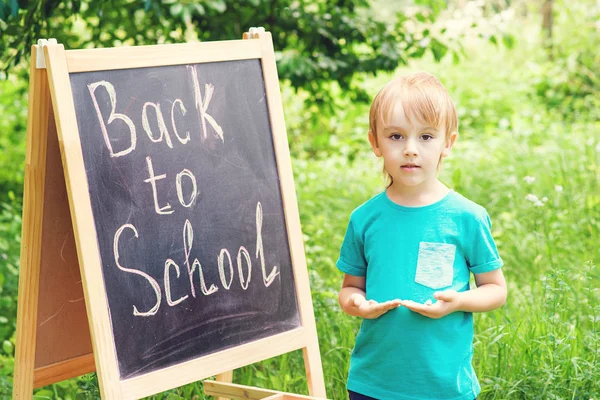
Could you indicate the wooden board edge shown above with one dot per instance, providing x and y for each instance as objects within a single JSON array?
[
  {"x": 64, "y": 370},
  {"x": 278, "y": 396},
  {"x": 224, "y": 377},
  {"x": 212, "y": 364},
  {"x": 83, "y": 223},
  {"x": 235, "y": 391},
  {"x": 105, "y": 59},
  {"x": 63, "y": 332},
  {"x": 312, "y": 357},
  {"x": 31, "y": 231}
]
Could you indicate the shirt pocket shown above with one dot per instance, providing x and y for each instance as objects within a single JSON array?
[{"x": 435, "y": 264}]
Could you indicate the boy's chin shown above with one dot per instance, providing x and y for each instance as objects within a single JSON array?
[{"x": 409, "y": 183}]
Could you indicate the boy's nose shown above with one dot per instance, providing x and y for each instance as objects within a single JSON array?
[{"x": 410, "y": 149}]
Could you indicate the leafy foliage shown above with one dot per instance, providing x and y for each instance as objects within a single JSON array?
[
  {"x": 10, "y": 240},
  {"x": 571, "y": 84},
  {"x": 13, "y": 109},
  {"x": 320, "y": 42}
]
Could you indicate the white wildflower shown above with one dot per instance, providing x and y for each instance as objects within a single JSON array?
[
  {"x": 558, "y": 188},
  {"x": 529, "y": 179},
  {"x": 544, "y": 199},
  {"x": 534, "y": 199},
  {"x": 424, "y": 42},
  {"x": 504, "y": 123}
]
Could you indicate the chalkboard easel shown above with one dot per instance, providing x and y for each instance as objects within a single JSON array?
[{"x": 161, "y": 240}]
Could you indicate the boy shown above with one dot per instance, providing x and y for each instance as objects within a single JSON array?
[{"x": 417, "y": 241}]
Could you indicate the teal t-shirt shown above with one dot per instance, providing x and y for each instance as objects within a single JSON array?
[{"x": 409, "y": 253}]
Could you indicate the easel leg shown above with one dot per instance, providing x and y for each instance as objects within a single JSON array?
[
  {"x": 33, "y": 199},
  {"x": 225, "y": 377},
  {"x": 314, "y": 370}
]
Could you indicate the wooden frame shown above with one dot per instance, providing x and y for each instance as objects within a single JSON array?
[
  {"x": 233, "y": 391},
  {"x": 60, "y": 64}
]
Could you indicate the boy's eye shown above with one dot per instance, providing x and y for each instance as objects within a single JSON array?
[
  {"x": 396, "y": 136},
  {"x": 427, "y": 137}
]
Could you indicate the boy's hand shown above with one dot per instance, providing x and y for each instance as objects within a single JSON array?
[
  {"x": 447, "y": 303},
  {"x": 370, "y": 309}
]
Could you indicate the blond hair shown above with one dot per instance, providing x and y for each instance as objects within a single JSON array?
[{"x": 422, "y": 96}]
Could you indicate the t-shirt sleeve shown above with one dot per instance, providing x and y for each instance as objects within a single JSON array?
[
  {"x": 482, "y": 253},
  {"x": 352, "y": 259}
]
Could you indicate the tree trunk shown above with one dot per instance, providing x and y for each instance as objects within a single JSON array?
[{"x": 547, "y": 22}]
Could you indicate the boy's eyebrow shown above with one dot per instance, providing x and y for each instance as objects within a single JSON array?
[
  {"x": 393, "y": 127},
  {"x": 399, "y": 128}
]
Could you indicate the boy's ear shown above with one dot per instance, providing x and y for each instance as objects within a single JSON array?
[
  {"x": 449, "y": 143},
  {"x": 374, "y": 144}
]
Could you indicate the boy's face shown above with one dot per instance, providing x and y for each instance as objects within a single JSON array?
[{"x": 411, "y": 149}]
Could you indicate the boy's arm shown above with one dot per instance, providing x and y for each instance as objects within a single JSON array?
[
  {"x": 489, "y": 295},
  {"x": 353, "y": 299}
]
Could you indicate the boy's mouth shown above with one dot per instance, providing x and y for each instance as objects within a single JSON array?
[{"x": 409, "y": 166}]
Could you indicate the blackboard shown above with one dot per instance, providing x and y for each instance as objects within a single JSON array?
[
  {"x": 206, "y": 178},
  {"x": 182, "y": 177}
]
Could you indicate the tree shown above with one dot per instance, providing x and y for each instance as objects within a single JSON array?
[
  {"x": 547, "y": 24},
  {"x": 319, "y": 42}
]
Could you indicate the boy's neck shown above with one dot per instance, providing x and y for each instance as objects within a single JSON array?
[{"x": 417, "y": 196}]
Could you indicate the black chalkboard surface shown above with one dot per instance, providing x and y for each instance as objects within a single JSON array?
[{"x": 187, "y": 207}]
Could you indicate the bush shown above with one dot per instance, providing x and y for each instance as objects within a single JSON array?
[
  {"x": 10, "y": 244},
  {"x": 13, "y": 127},
  {"x": 570, "y": 84}
]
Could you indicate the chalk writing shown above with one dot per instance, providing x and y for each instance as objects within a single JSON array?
[
  {"x": 160, "y": 120},
  {"x": 189, "y": 216},
  {"x": 152, "y": 180},
  {"x": 112, "y": 117},
  {"x": 243, "y": 257},
  {"x": 202, "y": 105},
  {"x": 185, "y": 139},
  {"x": 153, "y": 283}
]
